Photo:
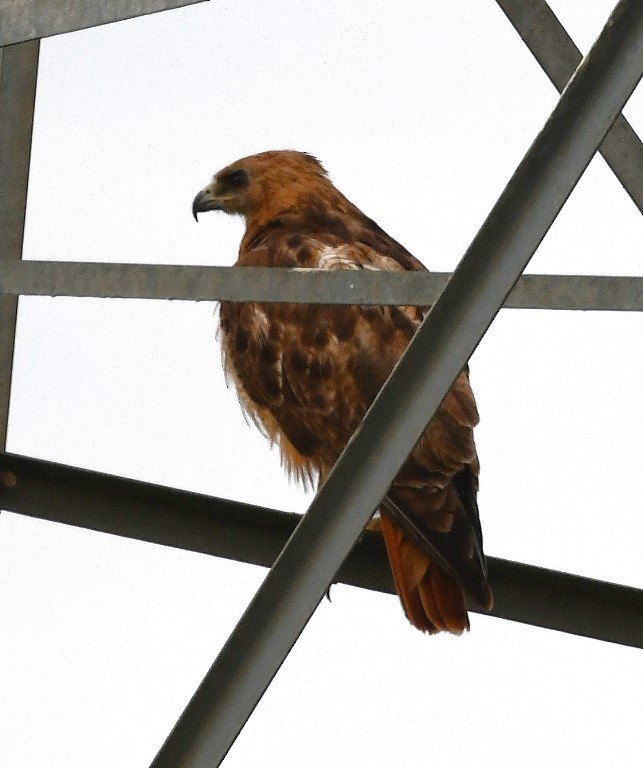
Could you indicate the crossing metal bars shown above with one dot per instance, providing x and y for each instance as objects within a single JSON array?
[
  {"x": 556, "y": 53},
  {"x": 509, "y": 236},
  {"x": 499, "y": 253},
  {"x": 256, "y": 535}
]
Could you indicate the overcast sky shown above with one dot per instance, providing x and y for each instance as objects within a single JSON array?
[{"x": 420, "y": 111}]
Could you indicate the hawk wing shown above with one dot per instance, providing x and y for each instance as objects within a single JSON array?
[{"x": 306, "y": 374}]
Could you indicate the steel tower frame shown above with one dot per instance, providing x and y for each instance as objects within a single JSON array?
[{"x": 586, "y": 119}]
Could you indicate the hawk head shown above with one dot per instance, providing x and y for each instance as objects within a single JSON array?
[{"x": 273, "y": 180}]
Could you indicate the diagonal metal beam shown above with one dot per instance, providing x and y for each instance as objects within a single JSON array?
[
  {"x": 242, "y": 532},
  {"x": 22, "y": 20},
  {"x": 492, "y": 264},
  {"x": 152, "y": 281},
  {"x": 18, "y": 73},
  {"x": 558, "y": 55}
]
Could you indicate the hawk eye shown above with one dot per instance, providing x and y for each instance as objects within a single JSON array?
[{"x": 233, "y": 180}]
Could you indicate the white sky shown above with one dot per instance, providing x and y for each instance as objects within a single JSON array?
[{"x": 420, "y": 112}]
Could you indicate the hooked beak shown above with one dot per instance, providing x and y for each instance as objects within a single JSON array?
[{"x": 205, "y": 201}]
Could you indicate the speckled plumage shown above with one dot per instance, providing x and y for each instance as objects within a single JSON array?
[{"x": 306, "y": 375}]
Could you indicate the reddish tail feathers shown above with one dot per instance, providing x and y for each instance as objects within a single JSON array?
[{"x": 432, "y": 601}]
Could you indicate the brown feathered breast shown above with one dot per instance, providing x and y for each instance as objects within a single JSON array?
[{"x": 306, "y": 374}]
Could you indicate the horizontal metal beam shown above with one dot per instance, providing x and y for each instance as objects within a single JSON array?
[
  {"x": 167, "y": 516},
  {"x": 446, "y": 339},
  {"x": 152, "y": 281},
  {"x": 29, "y": 19},
  {"x": 256, "y": 535},
  {"x": 559, "y": 57}
]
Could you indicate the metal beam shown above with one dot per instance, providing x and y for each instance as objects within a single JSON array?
[
  {"x": 151, "y": 281},
  {"x": 256, "y": 535},
  {"x": 453, "y": 328},
  {"x": 557, "y": 54},
  {"x": 18, "y": 73},
  {"x": 29, "y": 19}
]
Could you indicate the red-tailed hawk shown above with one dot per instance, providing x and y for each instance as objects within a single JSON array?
[{"x": 306, "y": 375}]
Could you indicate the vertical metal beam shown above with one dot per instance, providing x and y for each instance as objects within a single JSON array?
[
  {"x": 18, "y": 72},
  {"x": 492, "y": 264}
]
